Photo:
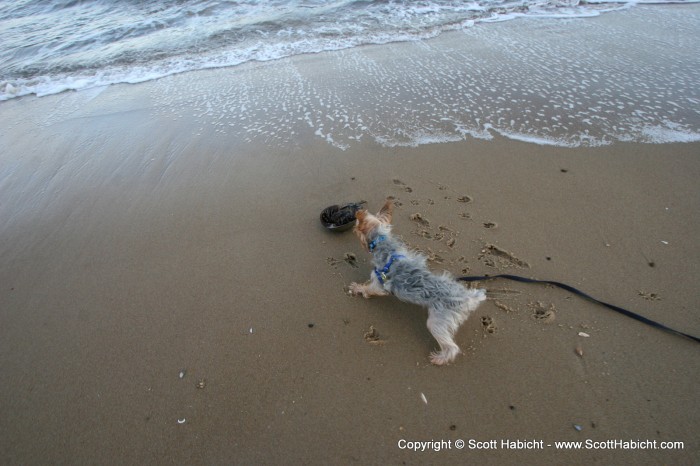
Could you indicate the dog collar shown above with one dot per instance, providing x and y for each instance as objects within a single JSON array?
[
  {"x": 381, "y": 274},
  {"x": 373, "y": 244}
]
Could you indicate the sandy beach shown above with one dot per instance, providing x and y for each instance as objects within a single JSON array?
[{"x": 170, "y": 297}]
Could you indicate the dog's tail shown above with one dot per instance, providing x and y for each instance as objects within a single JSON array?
[{"x": 474, "y": 297}]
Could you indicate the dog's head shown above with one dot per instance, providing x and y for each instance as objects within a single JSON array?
[{"x": 366, "y": 223}]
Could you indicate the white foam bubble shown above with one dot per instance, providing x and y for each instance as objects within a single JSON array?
[{"x": 668, "y": 132}]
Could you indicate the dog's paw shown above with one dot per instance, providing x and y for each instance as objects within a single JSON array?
[
  {"x": 438, "y": 359},
  {"x": 355, "y": 289},
  {"x": 442, "y": 358}
]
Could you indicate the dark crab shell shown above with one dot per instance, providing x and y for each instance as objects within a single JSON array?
[{"x": 340, "y": 218}]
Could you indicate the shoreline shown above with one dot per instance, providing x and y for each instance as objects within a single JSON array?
[{"x": 572, "y": 83}]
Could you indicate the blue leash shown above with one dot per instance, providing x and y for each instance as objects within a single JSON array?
[{"x": 573, "y": 290}]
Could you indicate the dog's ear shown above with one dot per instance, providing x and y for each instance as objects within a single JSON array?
[
  {"x": 362, "y": 227},
  {"x": 385, "y": 212}
]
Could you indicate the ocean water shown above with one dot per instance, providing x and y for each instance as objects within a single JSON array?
[{"x": 545, "y": 90}]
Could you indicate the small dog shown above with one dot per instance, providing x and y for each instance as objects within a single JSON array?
[{"x": 405, "y": 274}]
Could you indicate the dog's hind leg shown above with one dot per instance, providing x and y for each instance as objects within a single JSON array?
[{"x": 443, "y": 331}]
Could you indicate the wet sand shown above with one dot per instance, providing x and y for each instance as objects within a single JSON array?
[{"x": 169, "y": 295}]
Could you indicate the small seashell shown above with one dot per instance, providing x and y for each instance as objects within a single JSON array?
[
  {"x": 422, "y": 397},
  {"x": 583, "y": 334},
  {"x": 578, "y": 427},
  {"x": 181, "y": 421},
  {"x": 201, "y": 384},
  {"x": 579, "y": 351},
  {"x": 182, "y": 373}
]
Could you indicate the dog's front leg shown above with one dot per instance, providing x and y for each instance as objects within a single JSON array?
[{"x": 368, "y": 289}]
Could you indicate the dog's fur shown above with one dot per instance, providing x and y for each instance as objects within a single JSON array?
[{"x": 448, "y": 302}]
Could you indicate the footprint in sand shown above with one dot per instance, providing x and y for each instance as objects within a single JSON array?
[
  {"x": 649, "y": 296},
  {"x": 464, "y": 199},
  {"x": 418, "y": 218},
  {"x": 493, "y": 256},
  {"x": 435, "y": 257},
  {"x": 490, "y": 225},
  {"x": 488, "y": 324},
  {"x": 351, "y": 259},
  {"x": 400, "y": 183},
  {"x": 542, "y": 313},
  {"x": 332, "y": 261},
  {"x": 503, "y": 307},
  {"x": 372, "y": 336}
]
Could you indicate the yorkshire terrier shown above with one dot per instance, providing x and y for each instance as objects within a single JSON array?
[{"x": 405, "y": 274}]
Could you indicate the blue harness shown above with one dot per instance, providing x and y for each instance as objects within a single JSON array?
[
  {"x": 381, "y": 274},
  {"x": 373, "y": 243}
]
